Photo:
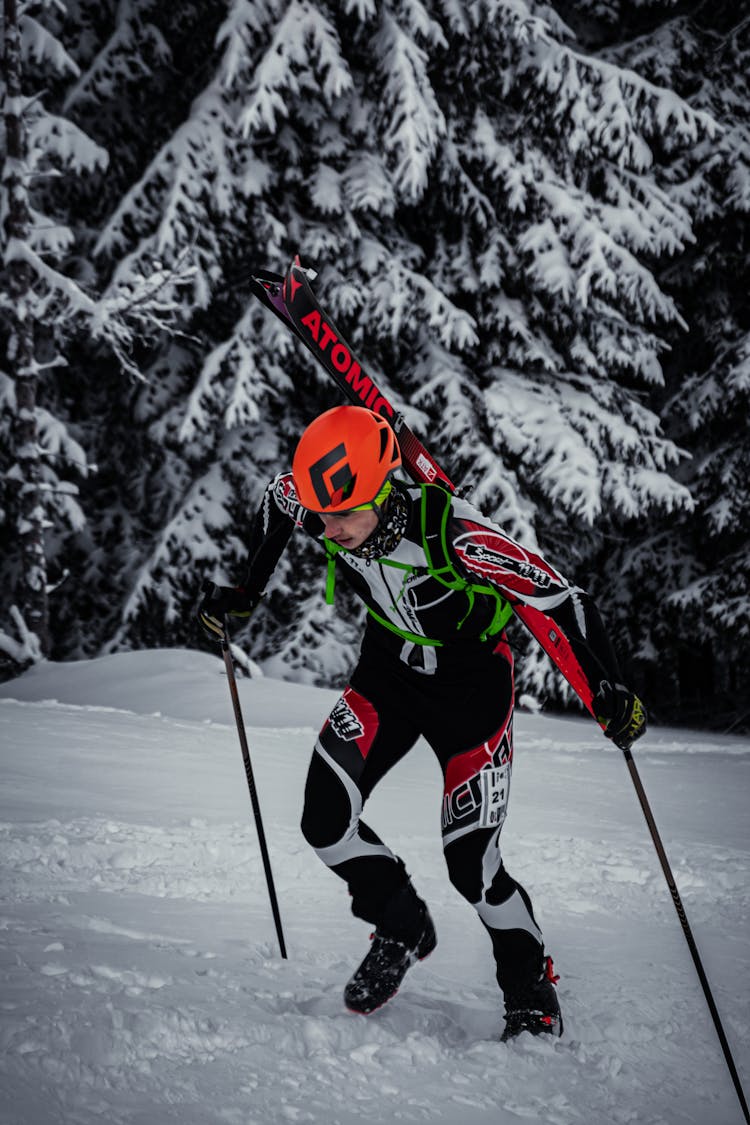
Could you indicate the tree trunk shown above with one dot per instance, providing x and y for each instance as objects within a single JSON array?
[{"x": 30, "y": 514}]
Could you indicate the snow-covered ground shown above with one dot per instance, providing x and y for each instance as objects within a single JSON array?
[{"x": 140, "y": 977}]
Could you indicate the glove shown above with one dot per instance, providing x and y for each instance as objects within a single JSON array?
[
  {"x": 217, "y": 602},
  {"x": 621, "y": 714}
]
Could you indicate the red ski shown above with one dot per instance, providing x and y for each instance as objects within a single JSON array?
[{"x": 294, "y": 302}]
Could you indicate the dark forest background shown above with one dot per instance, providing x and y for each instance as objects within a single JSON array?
[{"x": 530, "y": 218}]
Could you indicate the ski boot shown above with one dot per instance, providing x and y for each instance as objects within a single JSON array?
[
  {"x": 394, "y": 949},
  {"x": 535, "y": 1007}
]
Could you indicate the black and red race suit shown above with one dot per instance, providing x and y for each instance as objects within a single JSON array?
[{"x": 433, "y": 663}]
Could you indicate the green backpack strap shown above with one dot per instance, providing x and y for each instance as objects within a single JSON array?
[
  {"x": 331, "y": 551},
  {"x": 435, "y": 501},
  {"x": 446, "y": 572}
]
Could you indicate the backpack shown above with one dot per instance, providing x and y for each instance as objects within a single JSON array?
[{"x": 435, "y": 505}]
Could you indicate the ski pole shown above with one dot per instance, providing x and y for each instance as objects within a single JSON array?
[
  {"x": 686, "y": 928},
  {"x": 229, "y": 664}
]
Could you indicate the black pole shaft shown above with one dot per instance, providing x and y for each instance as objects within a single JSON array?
[
  {"x": 686, "y": 930},
  {"x": 229, "y": 664}
]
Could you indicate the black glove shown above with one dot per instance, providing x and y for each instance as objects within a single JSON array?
[
  {"x": 217, "y": 602},
  {"x": 621, "y": 714}
]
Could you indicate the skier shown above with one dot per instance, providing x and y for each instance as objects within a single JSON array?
[{"x": 439, "y": 581}]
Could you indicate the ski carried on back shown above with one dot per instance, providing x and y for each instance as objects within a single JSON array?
[{"x": 292, "y": 300}]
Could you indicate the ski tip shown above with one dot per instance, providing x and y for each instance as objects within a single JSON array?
[{"x": 309, "y": 273}]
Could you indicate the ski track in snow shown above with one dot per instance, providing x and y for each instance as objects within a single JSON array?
[{"x": 140, "y": 980}]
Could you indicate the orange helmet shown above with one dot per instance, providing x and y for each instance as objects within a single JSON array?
[{"x": 343, "y": 460}]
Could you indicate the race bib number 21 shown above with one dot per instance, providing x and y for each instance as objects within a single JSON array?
[{"x": 495, "y": 788}]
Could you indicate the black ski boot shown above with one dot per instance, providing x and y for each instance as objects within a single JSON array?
[
  {"x": 534, "y": 1007},
  {"x": 395, "y": 948}
]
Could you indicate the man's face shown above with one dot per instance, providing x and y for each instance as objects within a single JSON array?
[{"x": 350, "y": 529}]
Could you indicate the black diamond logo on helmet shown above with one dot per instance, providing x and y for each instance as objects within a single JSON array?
[{"x": 341, "y": 480}]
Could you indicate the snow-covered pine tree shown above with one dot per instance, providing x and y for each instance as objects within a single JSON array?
[
  {"x": 202, "y": 419},
  {"x": 542, "y": 219},
  {"x": 479, "y": 196},
  {"x": 40, "y": 457},
  {"x": 561, "y": 219},
  {"x": 694, "y": 569},
  {"x": 75, "y": 333}
]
